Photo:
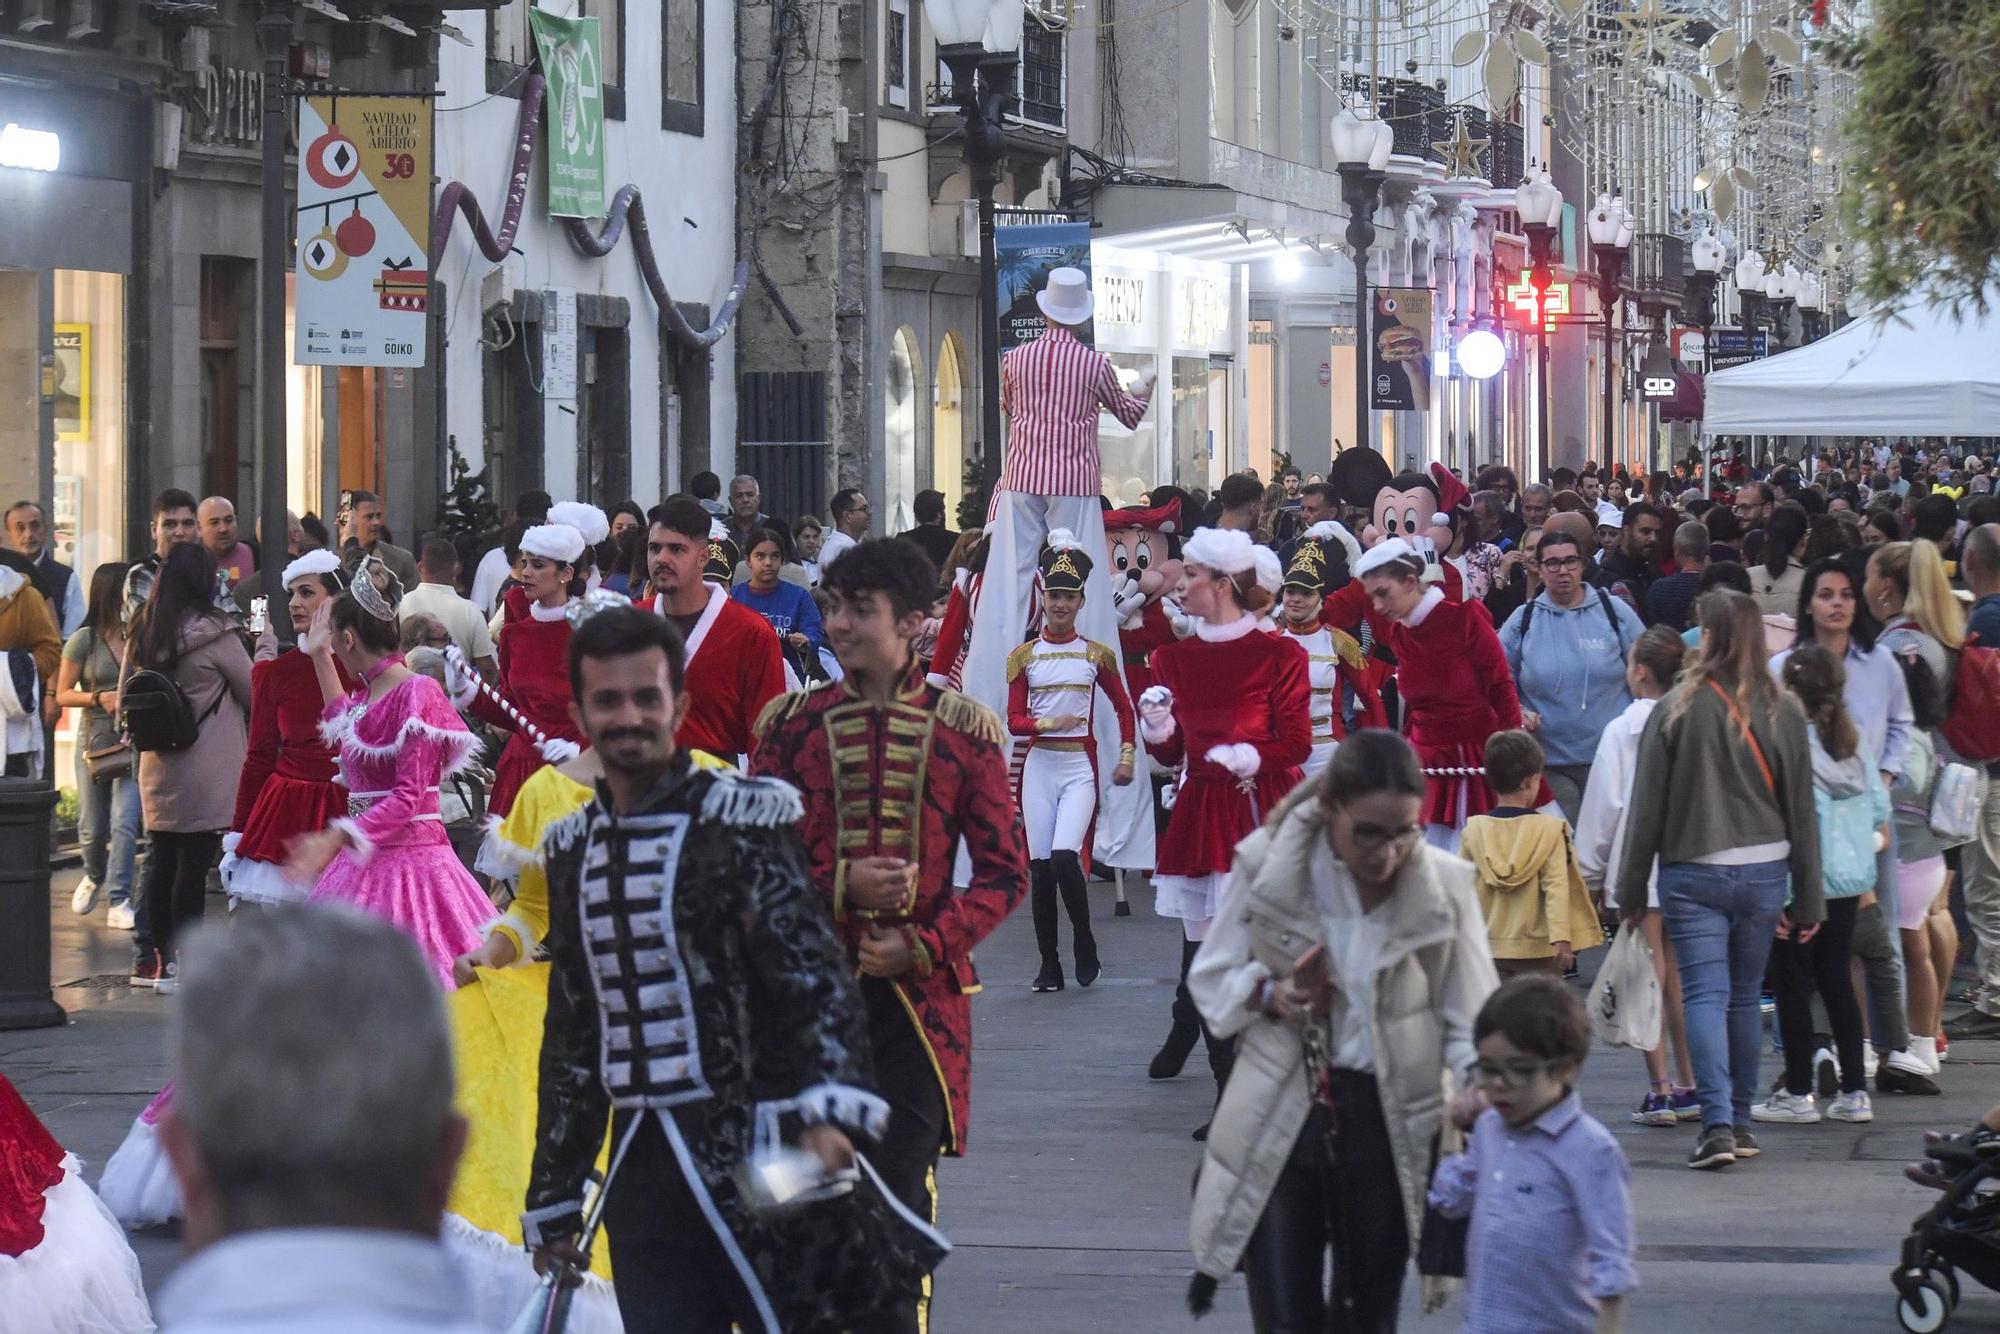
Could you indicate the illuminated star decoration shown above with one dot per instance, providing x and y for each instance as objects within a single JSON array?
[
  {"x": 1461, "y": 150},
  {"x": 1649, "y": 22}
]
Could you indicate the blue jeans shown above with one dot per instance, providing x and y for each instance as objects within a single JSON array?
[
  {"x": 107, "y": 826},
  {"x": 1721, "y": 921}
]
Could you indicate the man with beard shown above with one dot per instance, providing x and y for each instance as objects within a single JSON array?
[{"x": 1629, "y": 566}]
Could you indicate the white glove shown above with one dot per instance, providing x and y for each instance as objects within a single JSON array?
[
  {"x": 1129, "y": 600},
  {"x": 558, "y": 750},
  {"x": 459, "y": 682},
  {"x": 1156, "y": 714},
  {"x": 1240, "y": 759}
]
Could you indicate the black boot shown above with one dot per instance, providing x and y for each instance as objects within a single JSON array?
[
  {"x": 1173, "y": 1053},
  {"x": 1042, "y": 892},
  {"x": 1221, "y": 1060},
  {"x": 1076, "y": 902}
]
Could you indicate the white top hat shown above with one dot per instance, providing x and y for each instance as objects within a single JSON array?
[{"x": 1067, "y": 298}]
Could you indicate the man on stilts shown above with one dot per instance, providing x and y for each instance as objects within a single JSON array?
[
  {"x": 893, "y": 772},
  {"x": 1053, "y": 682}
]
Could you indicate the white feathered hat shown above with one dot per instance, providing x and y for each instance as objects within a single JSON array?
[
  {"x": 1223, "y": 549},
  {"x": 587, "y": 519},
  {"x": 558, "y": 542},
  {"x": 316, "y": 562},
  {"x": 1327, "y": 530}
]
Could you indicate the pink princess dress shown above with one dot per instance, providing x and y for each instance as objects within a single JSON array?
[{"x": 393, "y": 754}]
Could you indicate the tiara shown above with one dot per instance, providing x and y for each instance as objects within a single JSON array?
[
  {"x": 376, "y": 588},
  {"x": 596, "y": 600}
]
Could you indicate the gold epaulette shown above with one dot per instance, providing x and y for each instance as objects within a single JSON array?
[
  {"x": 962, "y": 713},
  {"x": 1347, "y": 646},
  {"x": 1102, "y": 657},
  {"x": 781, "y": 707},
  {"x": 1018, "y": 660}
]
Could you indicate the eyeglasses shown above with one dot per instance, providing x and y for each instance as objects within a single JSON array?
[
  {"x": 1750, "y": 508},
  {"x": 1563, "y": 563},
  {"x": 1513, "y": 1075},
  {"x": 1374, "y": 837}
]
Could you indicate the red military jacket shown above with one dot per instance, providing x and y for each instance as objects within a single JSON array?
[{"x": 908, "y": 779}]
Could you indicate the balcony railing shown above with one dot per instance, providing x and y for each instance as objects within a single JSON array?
[
  {"x": 1506, "y": 158},
  {"x": 1656, "y": 270}
]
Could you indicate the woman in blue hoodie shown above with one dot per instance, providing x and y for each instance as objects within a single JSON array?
[{"x": 1567, "y": 651}]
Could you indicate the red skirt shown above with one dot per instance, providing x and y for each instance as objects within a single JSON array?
[
  {"x": 1212, "y": 814},
  {"x": 518, "y": 762},
  {"x": 286, "y": 809},
  {"x": 1451, "y": 800}
]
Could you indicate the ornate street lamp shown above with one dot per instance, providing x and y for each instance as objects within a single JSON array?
[
  {"x": 1812, "y": 307},
  {"x": 1781, "y": 289},
  {"x": 980, "y": 43},
  {"x": 1540, "y": 205},
  {"x": 1610, "y": 229},
  {"x": 1749, "y": 294},
  {"x": 1361, "y": 151}
]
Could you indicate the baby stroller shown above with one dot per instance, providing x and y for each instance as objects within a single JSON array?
[{"x": 1961, "y": 1232}]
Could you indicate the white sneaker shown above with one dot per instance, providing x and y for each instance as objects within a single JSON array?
[
  {"x": 1826, "y": 1072},
  {"x": 1925, "y": 1052},
  {"x": 84, "y": 900},
  {"x": 1786, "y": 1109},
  {"x": 169, "y": 983},
  {"x": 1871, "y": 1060},
  {"x": 120, "y": 917},
  {"x": 1851, "y": 1107},
  {"x": 1910, "y": 1062}
]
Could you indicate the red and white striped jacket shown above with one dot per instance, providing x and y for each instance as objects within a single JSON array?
[{"x": 1050, "y": 391}]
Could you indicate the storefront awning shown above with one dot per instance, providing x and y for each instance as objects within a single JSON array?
[{"x": 1208, "y": 222}]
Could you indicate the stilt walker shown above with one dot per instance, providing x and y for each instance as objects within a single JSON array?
[
  {"x": 1053, "y": 682},
  {"x": 1343, "y": 697}
]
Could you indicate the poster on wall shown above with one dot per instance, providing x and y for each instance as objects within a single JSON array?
[
  {"x": 71, "y": 347},
  {"x": 574, "y": 113},
  {"x": 1023, "y": 257},
  {"x": 1401, "y": 330},
  {"x": 363, "y": 289}
]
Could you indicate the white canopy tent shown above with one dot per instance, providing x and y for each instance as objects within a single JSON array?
[{"x": 1919, "y": 371}]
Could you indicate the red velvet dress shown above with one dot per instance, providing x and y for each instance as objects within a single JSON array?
[
  {"x": 1457, "y": 692},
  {"x": 289, "y": 786},
  {"x": 1255, "y": 688},
  {"x": 534, "y": 678}
]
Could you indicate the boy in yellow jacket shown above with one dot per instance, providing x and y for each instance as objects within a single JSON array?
[{"x": 1538, "y": 911}]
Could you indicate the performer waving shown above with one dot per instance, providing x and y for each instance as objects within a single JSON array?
[
  {"x": 1343, "y": 697},
  {"x": 1053, "y": 682},
  {"x": 1234, "y": 705},
  {"x": 1453, "y": 679},
  {"x": 288, "y": 786}
]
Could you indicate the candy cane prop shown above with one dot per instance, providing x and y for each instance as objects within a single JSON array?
[
  {"x": 1449, "y": 772},
  {"x": 456, "y": 657}
]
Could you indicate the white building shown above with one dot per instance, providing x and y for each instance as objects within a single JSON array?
[{"x": 559, "y": 368}]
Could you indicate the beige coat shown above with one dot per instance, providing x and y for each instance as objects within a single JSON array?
[
  {"x": 193, "y": 791},
  {"x": 1435, "y": 973}
]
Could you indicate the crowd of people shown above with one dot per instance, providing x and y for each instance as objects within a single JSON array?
[{"x": 1402, "y": 748}]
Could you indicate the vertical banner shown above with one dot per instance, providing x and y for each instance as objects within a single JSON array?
[
  {"x": 1401, "y": 329},
  {"x": 574, "y": 113},
  {"x": 1023, "y": 258},
  {"x": 363, "y": 288}
]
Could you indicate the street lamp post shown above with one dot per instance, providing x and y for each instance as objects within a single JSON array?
[
  {"x": 1361, "y": 152},
  {"x": 1540, "y": 206},
  {"x": 1812, "y": 308},
  {"x": 1781, "y": 290},
  {"x": 1707, "y": 260},
  {"x": 1749, "y": 295},
  {"x": 1610, "y": 236},
  {"x": 274, "y": 29},
  {"x": 980, "y": 43}
]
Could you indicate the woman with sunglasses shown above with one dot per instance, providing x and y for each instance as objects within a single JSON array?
[{"x": 1348, "y": 963}]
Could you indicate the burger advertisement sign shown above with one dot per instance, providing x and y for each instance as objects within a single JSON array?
[{"x": 1400, "y": 334}]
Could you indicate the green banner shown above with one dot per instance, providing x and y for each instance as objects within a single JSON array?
[{"x": 574, "y": 114}]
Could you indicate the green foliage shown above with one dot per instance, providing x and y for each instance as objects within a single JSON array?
[
  {"x": 1922, "y": 196},
  {"x": 972, "y": 503},
  {"x": 470, "y": 518},
  {"x": 68, "y": 809}
]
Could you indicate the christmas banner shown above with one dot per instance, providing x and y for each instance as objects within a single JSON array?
[
  {"x": 574, "y": 115},
  {"x": 364, "y": 199}
]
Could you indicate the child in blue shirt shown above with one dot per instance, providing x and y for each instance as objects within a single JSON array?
[{"x": 1550, "y": 1249}]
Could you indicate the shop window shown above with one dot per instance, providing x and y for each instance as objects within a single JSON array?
[
  {"x": 948, "y": 423},
  {"x": 1130, "y": 459},
  {"x": 682, "y": 65},
  {"x": 1194, "y": 438},
  {"x": 88, "y": 341},
  {"x": 511, "y": 380},
  {"x": 1044, "y": 67},
  {"x": 228, "y": 333},
  {"x": 899, "y": 434},
  {"x": 896, "y": 49},
  {"x": 510, "y": 48}
]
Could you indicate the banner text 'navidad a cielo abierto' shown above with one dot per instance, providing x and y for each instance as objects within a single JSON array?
[{"x": 364, "y": 194}]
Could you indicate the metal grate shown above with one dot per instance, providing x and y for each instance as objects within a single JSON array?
[
  {"x": 97, "y": 982},
  {"x": 782, "y": 438}
]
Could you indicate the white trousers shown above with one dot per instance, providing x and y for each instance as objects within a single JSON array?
[{"x": 1058, "y": 797}]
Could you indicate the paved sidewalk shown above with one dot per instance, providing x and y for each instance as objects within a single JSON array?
[{"x": 1070, "y": 1214}]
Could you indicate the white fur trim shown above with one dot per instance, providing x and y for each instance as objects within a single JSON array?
[
  {"x": 500, "y": 858},
  {"x": 554, "y": 541},
  {"x": 1223, "y": 549},
  {"x": 589, "y": 521},
  {"x": 762, "y": 802},
  {"x": 1270, "y": 574},
  {"x": 1433, "y": 597},
  {"x": 1225, "y": 633},
  {"x": 537, "y": 612},
  {"x": 822, "y": 1104},
  {"x": 1389, "y": 549},
  {"x": 1326, "y": 530},
  {"x": 321, "y": 561},
  {"x": 461, "y": 746},
  {"x": 523, "y": 936}
]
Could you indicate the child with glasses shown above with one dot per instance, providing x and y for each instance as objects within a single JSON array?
[
  {"x": 1538, "y": 910},
  {"x": 1545, "y": 1184}
]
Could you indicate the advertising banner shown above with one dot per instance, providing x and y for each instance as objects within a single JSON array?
[
  {"x": 574, "y": 114},
  {"x": 363, "y": 288},
  {"x": 1734, "y": 347},
  {"x": 1400, "y": 331},
  {"x": 1023, "y": 257}
]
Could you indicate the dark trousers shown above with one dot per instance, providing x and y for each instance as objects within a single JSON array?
[
  {"x": 674, "y": 1277},
  {"x": 908, "y": 1154},
  {"x": 1821, "y": 964},
  {"x": 1342, "y": 1196},
  {"x": 177, "y": 867}
]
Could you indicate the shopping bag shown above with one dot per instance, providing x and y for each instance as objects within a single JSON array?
[{"x": 1624, "y": 1001}]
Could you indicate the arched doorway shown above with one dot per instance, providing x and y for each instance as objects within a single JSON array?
[
  {"x": 899, "y": 434},
  {"x": 948, "y": 428}
]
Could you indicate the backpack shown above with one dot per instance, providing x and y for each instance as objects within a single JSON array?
[
  {"x": 1973, "y": 726},
  {"x": 156, "y": 715},
  {"x": 1603, "y": 600}
]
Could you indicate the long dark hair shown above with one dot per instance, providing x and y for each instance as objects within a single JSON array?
[
  {"x": 1863, "y": 630},
  {"x": 1787, "y": 525},
  {"x": 105, "y": 612},
  {"x": 183, "y": 594}
]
